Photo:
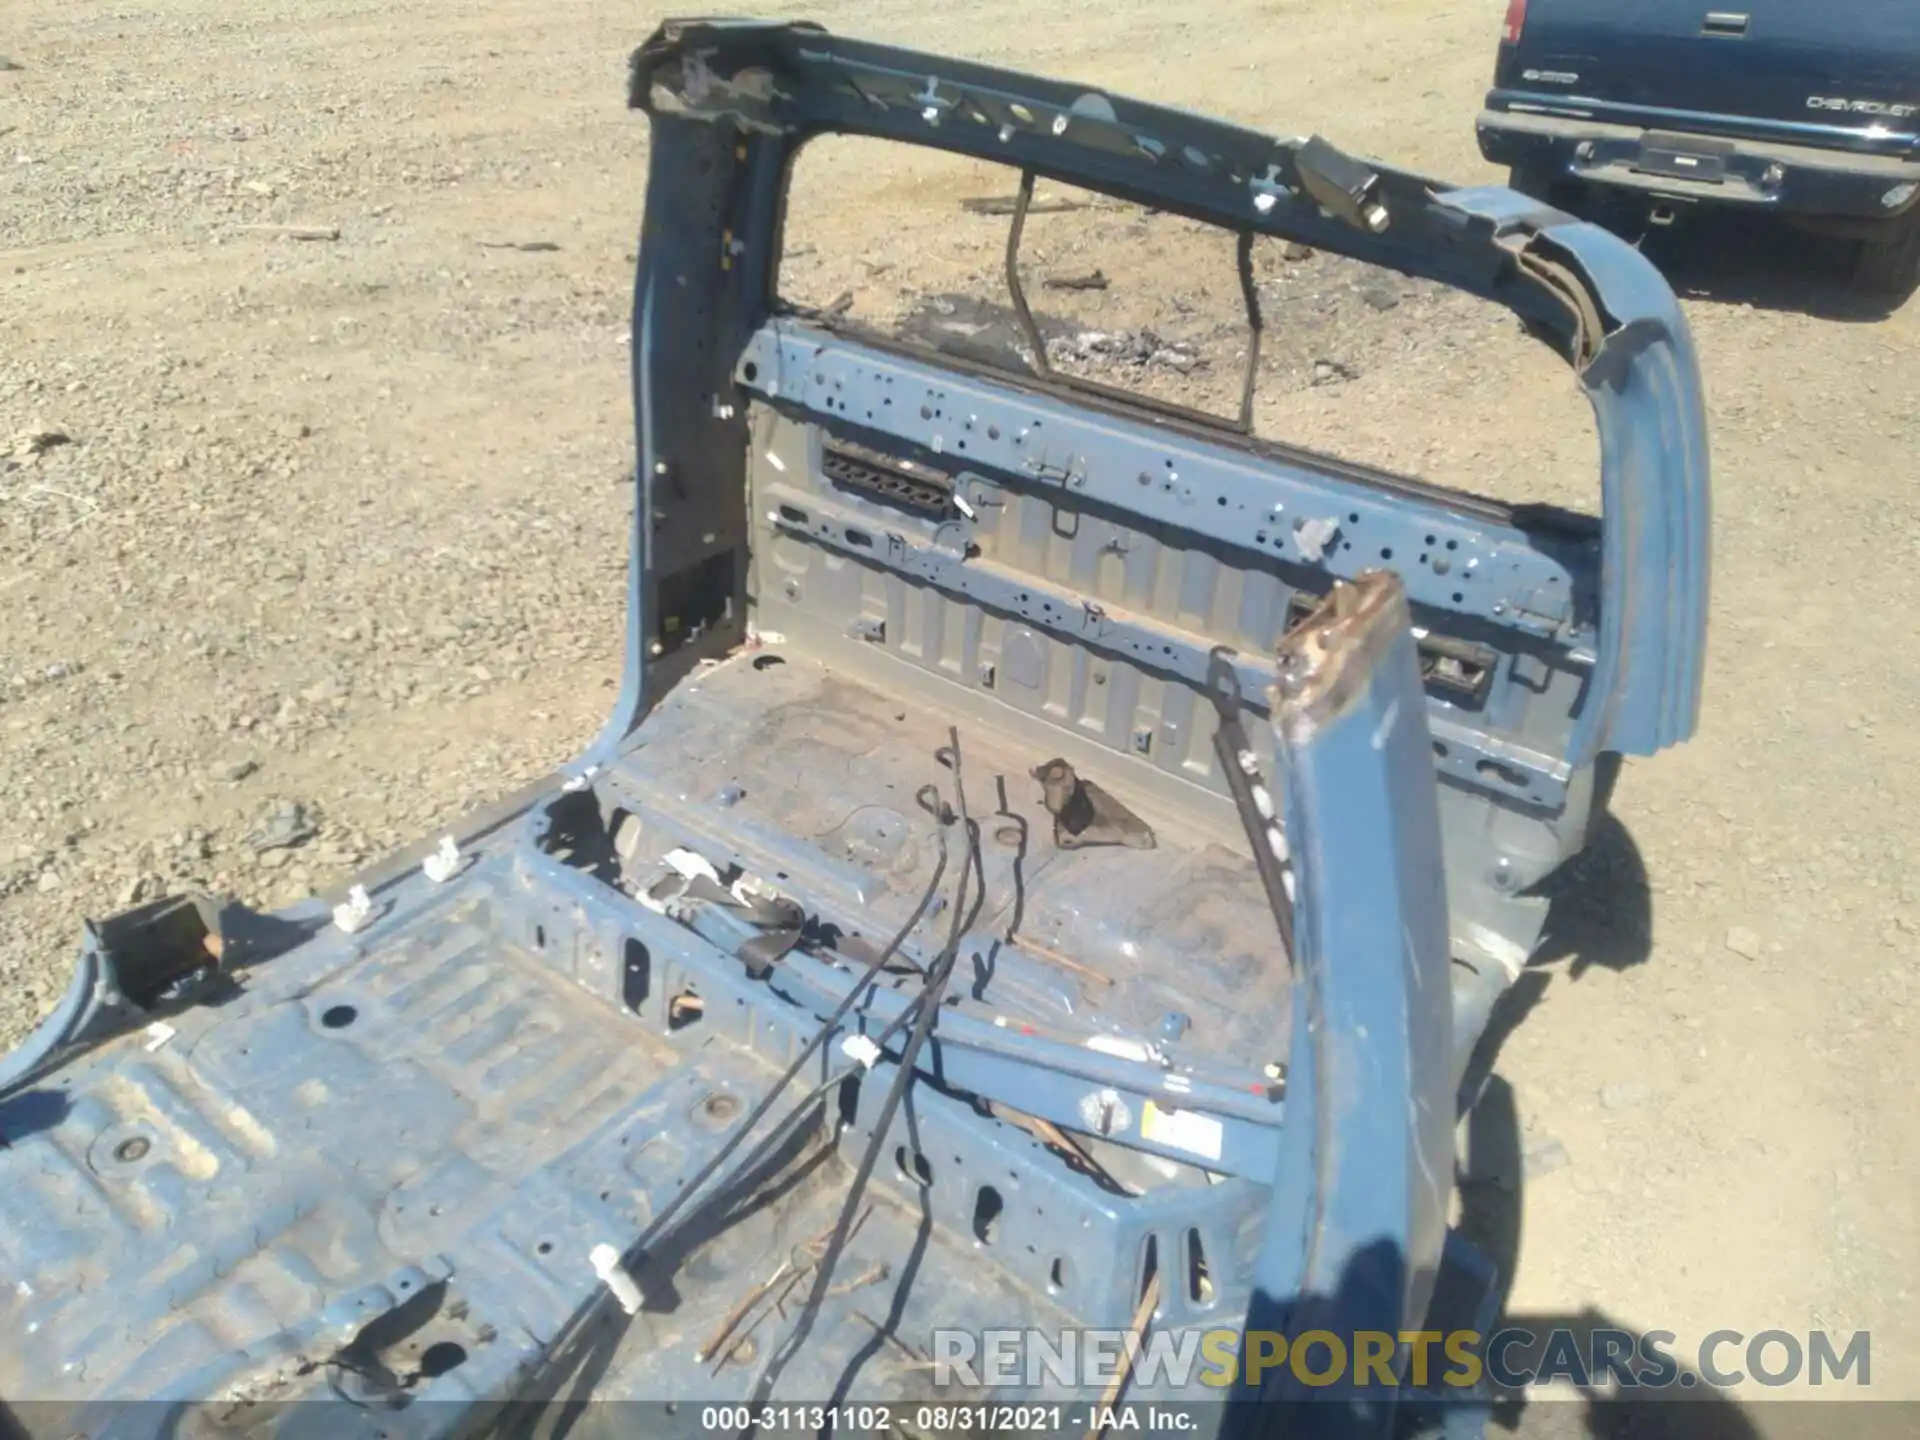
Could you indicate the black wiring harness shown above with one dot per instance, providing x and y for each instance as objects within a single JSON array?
[
  {"x": 927, "y": 1009},
  {"x": 920, "y": 1011}
]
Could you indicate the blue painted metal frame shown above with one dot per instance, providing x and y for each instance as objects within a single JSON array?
[
  {"x": 1476, "y": 561},
  {"x": 768, "y": 88},
  {"x": 1473, "y": 757},
  {"x": 1359, "y": 1154},
  {"x": 1046, "y": 1075},
  {"x": 1362, "y": 1224},
  {"x": 1355, "y": 1233}
]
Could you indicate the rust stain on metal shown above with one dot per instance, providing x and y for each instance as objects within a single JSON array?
[{"x": 1326, "y": 658}]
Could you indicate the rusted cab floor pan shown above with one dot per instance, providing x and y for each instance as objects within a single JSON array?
[
  {"x": 810, "y": 775},
  {"x": 432, "y": 1110}
]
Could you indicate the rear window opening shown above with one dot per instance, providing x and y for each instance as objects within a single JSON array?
[
  {"x": 1356, "y": 361},
  {"x": 1136, "y": 300}
]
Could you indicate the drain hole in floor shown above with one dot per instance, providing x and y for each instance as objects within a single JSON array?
[{"x": 440, "y": 1357}]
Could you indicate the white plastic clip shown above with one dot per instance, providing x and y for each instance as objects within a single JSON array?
[
  {"x": 862, "y": 1049},
  {"x": 749, "y": 888},
  {"x": 606, "y": 1264},
  {"x": 688, "y": 865},
  {"x": 444, "y": 863},
  {"x": 1312, "y": 537},
  {"x": 352, "y": 916},
  {"x": 1125, "y": 1047},
  {"x": 656, "y": 895},
  {"x": 158, "y": 1034}
]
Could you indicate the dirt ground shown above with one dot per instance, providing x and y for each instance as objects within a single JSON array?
[{"x": 336, "y": 542}]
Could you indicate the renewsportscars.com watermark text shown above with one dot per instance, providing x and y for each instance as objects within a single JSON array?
[{"x": 1509, "y": 1359}]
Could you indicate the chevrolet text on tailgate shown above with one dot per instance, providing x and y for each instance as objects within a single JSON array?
[{"x": 947, "y": 933}]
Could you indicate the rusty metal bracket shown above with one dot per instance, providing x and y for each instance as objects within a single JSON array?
[{"x": 1084, "y": 815}]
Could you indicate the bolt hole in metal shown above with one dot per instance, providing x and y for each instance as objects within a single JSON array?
[
  {"x": 132, "y": 1150},
  {"x": 338, "y": 1017},
  {"x": 987, "y": 1206},
  {"x": 1199, "y": 1278},
  {"x": 1149, "y": 1265},
  {"x": 1494, "y": 769},
  {"x": 913, "y": 1166},
  {"x": 440, "y": 1357},
  {"x": 684, "y": 1009},
  {"x": 720, "y": 1106}
]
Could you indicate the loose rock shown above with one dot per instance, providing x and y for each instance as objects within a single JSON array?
[
  {"x": 297, "y": 232},
  {"x": 283, "y": 827},
  {"x": 1543, "y": 1157},
  {"x": 30, "y": 444},
  {"x": 1625, "y": 1094}
]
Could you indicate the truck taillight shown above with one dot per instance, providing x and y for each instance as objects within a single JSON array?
[{"x": 1516, "y": 21}]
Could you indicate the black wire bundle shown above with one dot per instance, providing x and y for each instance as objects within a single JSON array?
[
  {"x": 929, "y": 800},
  {"x": 928, "y": 1007},
  {"x": 920, "y": 1010}
]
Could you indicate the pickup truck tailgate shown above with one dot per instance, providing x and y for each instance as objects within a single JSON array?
[{"x": 1844, "y": 74}]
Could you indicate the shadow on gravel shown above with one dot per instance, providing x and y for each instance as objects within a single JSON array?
[
  {"x": 1576, "y": 1347},
  {"x": 1586, "y": 1350},
  {"x": 1732, "y": 259},
  {"x": 1600, "y": 912},
  {"x": 1601, "y": 905}
]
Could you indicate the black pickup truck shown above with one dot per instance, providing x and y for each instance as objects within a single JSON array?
[{"x": 1807, "y": 109}]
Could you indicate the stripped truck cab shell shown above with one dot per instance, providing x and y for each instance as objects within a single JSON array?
[{"x": 945, "y": 933}]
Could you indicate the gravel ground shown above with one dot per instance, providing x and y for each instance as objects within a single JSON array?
[{"x": 325, "y": 535}]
